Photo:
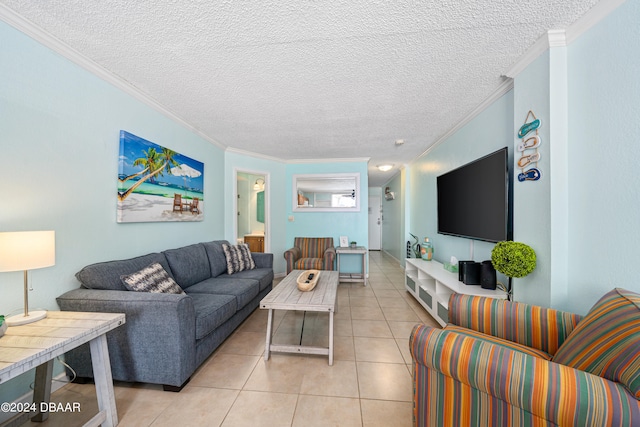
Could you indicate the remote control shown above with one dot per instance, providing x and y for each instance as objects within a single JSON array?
[{"x": 311, "y": 276}]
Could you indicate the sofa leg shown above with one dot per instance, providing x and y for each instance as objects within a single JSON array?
[
  {"x": 175, "y": 389},
  {"x": 82, "y": 380}
]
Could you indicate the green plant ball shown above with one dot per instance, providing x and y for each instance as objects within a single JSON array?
[{"x": 513, "y": 259}]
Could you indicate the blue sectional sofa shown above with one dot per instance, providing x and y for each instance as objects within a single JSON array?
[{"x": 167, "y": 336}]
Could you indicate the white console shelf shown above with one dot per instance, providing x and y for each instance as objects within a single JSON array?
[{"x": 431, "y": 285}]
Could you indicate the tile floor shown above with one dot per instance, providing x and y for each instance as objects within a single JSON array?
[{"x": 368, "y": 385}]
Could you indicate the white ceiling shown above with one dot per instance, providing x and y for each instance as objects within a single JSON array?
[{"x": 304, "y": 79}]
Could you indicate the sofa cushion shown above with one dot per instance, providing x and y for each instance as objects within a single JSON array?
[
  {"x": 607, "y": 341},
  {"x": 217, "y": 260},
  {"x": 238, "y": 258},
  {"x": 212, "y": 311},
  {"x": 243, "y": 289},
  {"x": 106, "y": 275},
  {"x": 189, "y": 264},
  {"x": 309, "y": 264},
  {"x": 499, "y": 341},
  {"x": 263, "y": 275},
  {"x": 152, "y": 278},
  {"x": 313, "y": 247}
]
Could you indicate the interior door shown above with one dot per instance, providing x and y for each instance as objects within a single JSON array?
[
  {"x": 375, "y": 223},
  {"x": 252, "y": 216}
]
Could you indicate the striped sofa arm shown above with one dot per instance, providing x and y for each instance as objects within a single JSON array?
[
  {"x": 328, "y": 257},
  {"x": 542, "y": 389},
  {"x": 538, "y": 327},
  {"x": 291, "y": 256}
]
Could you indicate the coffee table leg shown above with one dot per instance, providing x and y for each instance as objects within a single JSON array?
[
  {"x": 267, "y": 346},
  {"x": 331, "y": 338},
  {"x": 42, "y": 390},
  {"x": 104, "y": 381}
]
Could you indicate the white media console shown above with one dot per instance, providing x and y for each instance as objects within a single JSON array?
[{"x": 432, "y": 285}]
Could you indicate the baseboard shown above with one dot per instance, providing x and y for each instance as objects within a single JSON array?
[{"x": 400, "y": 264}]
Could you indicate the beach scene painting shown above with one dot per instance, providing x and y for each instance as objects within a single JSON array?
[{"x": 157, "y": 184}]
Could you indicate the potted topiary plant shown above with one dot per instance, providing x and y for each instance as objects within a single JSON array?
[{"x": 513, "y": 259}]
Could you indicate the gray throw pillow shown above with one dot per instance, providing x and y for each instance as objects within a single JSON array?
[
  {"x": 238, "y": 258},
  {"x": 152, "y": 278}
]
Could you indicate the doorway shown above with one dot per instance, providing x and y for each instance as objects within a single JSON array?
[
  {"x": 252, "y": 210},
  {"x": 375, "y": 223}
]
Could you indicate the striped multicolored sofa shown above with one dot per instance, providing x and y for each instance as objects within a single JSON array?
[
  {"x": 310, "y": 253},
  {"x": 501, "y": 363}
]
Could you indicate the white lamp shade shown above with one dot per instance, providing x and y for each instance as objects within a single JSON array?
[{"x": 27, "y": 250}]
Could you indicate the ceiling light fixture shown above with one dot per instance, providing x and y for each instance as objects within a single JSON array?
[
  {"x": 259, "y": 185},
  {"x": 385, "y": 168},
  {"x": 399, "y": 142}
]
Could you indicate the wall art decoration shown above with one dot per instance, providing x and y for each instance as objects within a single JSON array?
[
  {"x": 157, "y": 184},
  {"x": 528, "y": 148}
]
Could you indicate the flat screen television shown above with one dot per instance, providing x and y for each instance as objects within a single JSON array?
[{"x": 474, "y": 200}]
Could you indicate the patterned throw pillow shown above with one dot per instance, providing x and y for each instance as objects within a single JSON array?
[
  {"x": 154, "y": 279},
  {"x": 606, "y": 342},
  {"x": 238, "y": 258}
]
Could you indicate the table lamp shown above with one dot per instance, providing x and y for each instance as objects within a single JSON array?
[{"x": 26, "y": 250}]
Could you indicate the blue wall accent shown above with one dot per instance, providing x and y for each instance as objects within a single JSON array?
[
  {"x": 604, "y": 183},
  {"x": 532, "y": 200}
]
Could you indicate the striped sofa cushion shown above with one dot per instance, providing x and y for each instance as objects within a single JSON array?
[
  {"x": 313, "y": 247},
  {"x": 152, "y": 278},
  {"x": 309, "y": 264},
  {"x": 607, "y": 341},
  {"x": 499, "y": 341},
  {"x": 238, "y": 258},
  {"x": 533, "y": 326}
]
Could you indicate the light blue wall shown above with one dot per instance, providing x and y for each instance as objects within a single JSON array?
[
  {"x": 393, "y": 235},
  {"x": 59, "y": 143},
  {"x": 275, "y": 195},
  {"x": 354, "y": 225},
  {"x": 604, "y": 184},
  {"x": 582, "y": 216},
  {"x": 491, "y": 130},
  {"x": 532, "y": 199}
]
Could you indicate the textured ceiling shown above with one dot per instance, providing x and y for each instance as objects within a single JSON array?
[{"x": 310, "y": 79}]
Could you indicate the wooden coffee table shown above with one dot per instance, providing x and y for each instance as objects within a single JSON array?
[{"x": 286, "y": 296}]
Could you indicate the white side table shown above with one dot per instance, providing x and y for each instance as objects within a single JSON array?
[
  {"x": 353, "y": 277},
  {"x": 37, "y": 344}
]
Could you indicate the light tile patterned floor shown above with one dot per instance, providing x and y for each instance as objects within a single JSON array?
[{"x": 368, "y": 385}]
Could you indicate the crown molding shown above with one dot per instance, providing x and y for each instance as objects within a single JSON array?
[
  {"x": 556, "y": 38},
  {"x": 46, "y": 39},
  {"x": 295, "y": 161},
  {"x": 504, "y": 87},
  {"x": 552, "y": 38},
  {"x": 253, "y": 154},
  {"x": 598, "y": 12},
  {"x": 336, "y": 160},
  {"x": 561, "y": 38}
]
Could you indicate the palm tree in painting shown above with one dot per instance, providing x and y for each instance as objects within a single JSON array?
[
  {"x": 155, "y": 164},
  {"x": 149, "y": 162}
]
